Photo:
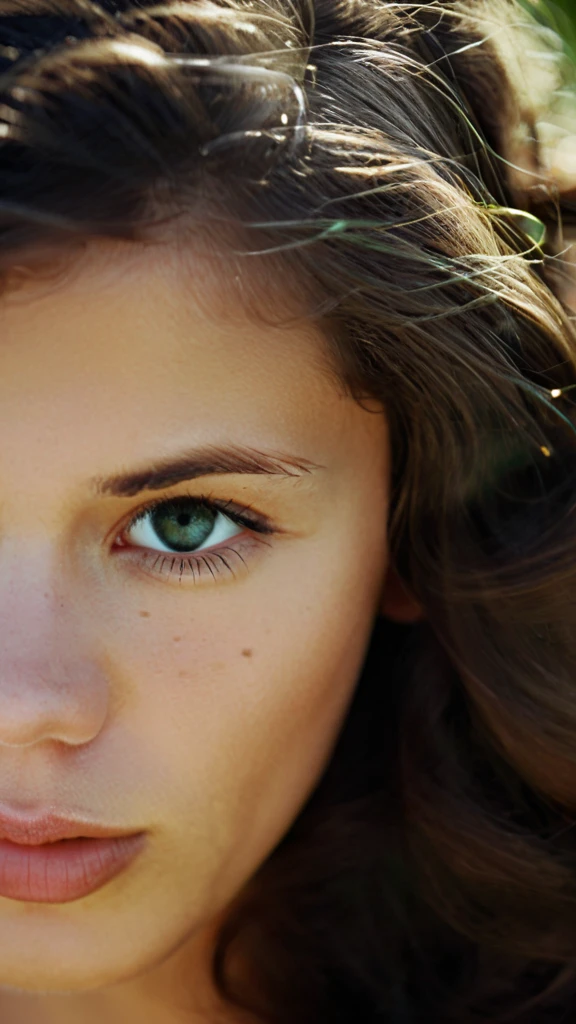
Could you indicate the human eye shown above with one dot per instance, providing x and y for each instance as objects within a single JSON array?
[{"x": 192, "y": 538}]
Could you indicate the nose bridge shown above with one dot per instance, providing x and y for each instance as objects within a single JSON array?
[
  {"x": 51, "y": 685},
  {"x": 33, "y": 610}
]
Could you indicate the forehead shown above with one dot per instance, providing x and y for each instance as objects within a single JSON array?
[
  {"x": 143, "y": 306},
  {"x": 136, "y": 347}
]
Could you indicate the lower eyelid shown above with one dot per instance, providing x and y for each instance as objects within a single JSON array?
[{"x": 231, "y": 560}]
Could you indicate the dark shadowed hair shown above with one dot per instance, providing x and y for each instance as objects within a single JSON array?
[{"x": 369, "y": 147}]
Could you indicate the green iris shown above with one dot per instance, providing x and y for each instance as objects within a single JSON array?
[{"x": 182, "y": 525}]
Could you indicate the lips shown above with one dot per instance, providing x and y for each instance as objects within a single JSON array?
[
  {"x": 63, "y": 871},
  {"x": 54, "y": 859},
  {"x": 51, "y": 828}
]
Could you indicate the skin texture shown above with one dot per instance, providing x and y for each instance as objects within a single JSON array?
[{"x": 201, "y": 712}]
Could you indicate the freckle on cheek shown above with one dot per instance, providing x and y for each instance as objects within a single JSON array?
[
  {"x": 176, "y": 639},
  {"x": 247, "y": 652},
  {"x": 144, "y": 615}
]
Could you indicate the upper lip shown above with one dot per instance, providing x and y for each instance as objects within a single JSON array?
[{"x": 49, "y": 827}]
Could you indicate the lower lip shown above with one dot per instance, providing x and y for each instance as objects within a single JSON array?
[{"x": 63, "y": 871}]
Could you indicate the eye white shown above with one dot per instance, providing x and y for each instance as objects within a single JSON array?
[{"x": 143, "y": 535}]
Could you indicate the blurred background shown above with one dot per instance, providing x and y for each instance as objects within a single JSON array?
[
  {"x": 548, "y": 74},
  {"x": 556, "y": 20}
]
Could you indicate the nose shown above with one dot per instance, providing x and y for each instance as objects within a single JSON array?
[{"x": 51, "y": 686}]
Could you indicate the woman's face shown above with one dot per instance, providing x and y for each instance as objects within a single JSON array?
[{"x": 180, "y": 674}]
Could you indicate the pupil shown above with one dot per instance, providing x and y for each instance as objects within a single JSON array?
[{"x": 183, "y": 529}]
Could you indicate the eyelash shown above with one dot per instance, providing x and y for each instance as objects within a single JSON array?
[{"x": 207, "y": 562}]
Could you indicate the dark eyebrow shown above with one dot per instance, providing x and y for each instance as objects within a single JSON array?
[{"x": 206, "y": 461}]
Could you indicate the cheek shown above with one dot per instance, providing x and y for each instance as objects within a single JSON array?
[
  {"x": 275, "y": 648},
  {"x": 238, "y": 693},
  {"x": 250, "y": 675}
]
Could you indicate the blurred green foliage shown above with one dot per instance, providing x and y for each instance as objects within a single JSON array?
[{"x": 560, "y": 16}]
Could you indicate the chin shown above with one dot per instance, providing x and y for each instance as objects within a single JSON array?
[{"x": 55, "y": 972}]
